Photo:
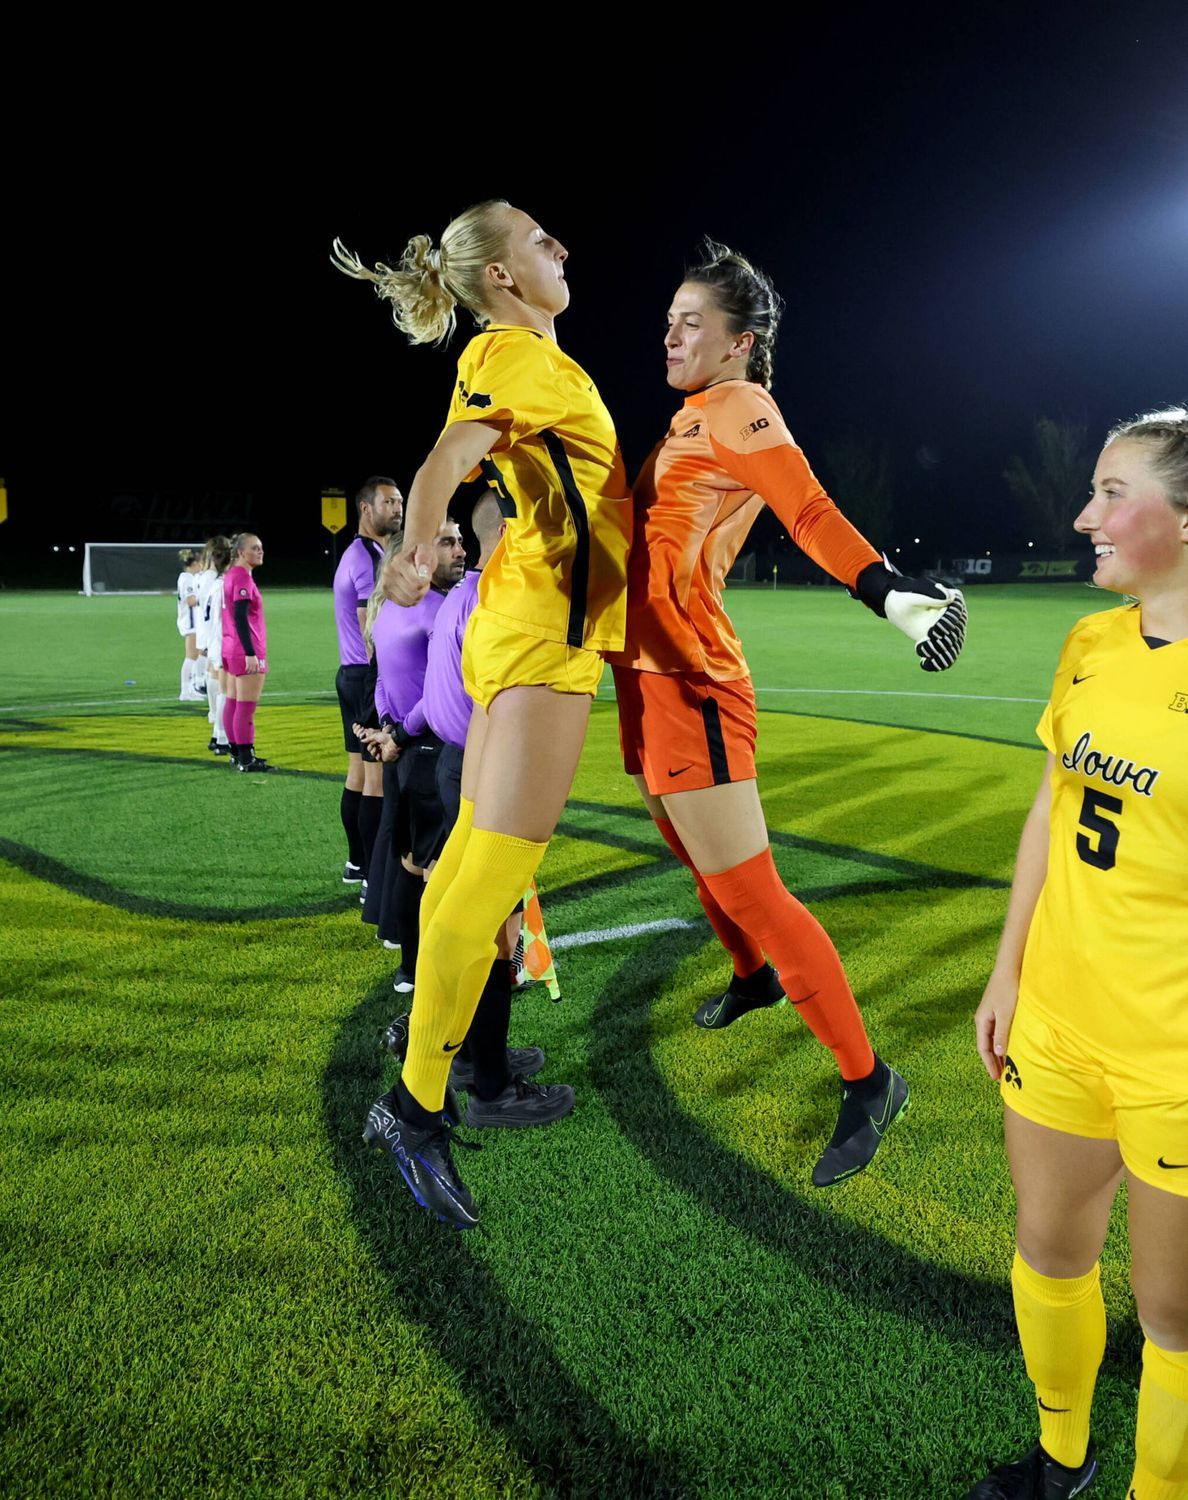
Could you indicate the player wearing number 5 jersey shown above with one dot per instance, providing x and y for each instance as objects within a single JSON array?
[{"x": 1085, "y": 1020}]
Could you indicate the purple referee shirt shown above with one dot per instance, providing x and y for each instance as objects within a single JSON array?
[
  {"x": 447, "y": 703},
  {"x": 354, "y": 579},
  {"x": 401, "y": 638}
]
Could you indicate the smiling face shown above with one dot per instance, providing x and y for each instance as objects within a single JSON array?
[
  {"x": 1140, "y": 538},
  {"x": 533, "y": 266},
  {"x": 699, "y": 347}
]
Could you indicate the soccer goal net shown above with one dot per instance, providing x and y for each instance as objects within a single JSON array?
[{"x": 132, "y": 567}]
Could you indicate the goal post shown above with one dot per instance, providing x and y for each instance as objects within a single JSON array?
[{"x": 132, "y": 567}]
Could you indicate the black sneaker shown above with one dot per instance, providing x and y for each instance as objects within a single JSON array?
[
  {"x": 213, "y": 744},
  {"x": 522, "y": 1062},
  {"x": 362, "y": 893},
  {"x": 403, "y": 982},
  {"x": 352, "y": 874},
  {"x": 423, "y": 1157},
  {"x": 862, "y": 1122},
  {"x": 253, "y": 763},
  {"x": 396, "y": 1039},
  {"x": 221, "y": 749},
  {"x": 521, "y": 1103},
  {"x": 1035, "y": 1476},
  {"x": 752, "y": 993}
]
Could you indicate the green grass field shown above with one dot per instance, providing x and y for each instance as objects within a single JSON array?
[{"x": 211, "y": 1288}]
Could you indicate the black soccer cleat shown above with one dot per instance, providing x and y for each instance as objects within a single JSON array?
[
  {"x": 403, "y": 982},
  {"x": 396, "y": 1039},
  {"x": 423, "y": 1158},
  {"x": 862, "y": 1122},
  {"x": 754, "y": 992},
  {"x": 253, "y": 763},
  {"x": 522, "y": 1062},
  {"x": 352, "y": 874},
  {"x": 521, "y": 1103},
  {"x": 1035, "y": 1476}
]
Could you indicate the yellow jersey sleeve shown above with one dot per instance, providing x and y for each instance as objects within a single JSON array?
[{"x": 506, "y": 380}]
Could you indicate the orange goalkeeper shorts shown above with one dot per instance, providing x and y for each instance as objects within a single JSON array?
[{"x": 684, "y": 731}]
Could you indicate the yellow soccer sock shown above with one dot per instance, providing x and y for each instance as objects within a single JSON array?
[
  {"x": 1062, "y": 1329},
  {"x": 1161, "y": 1441},
  {"x": 448, "y": 863},
  {"x": 457, "y": 950}
]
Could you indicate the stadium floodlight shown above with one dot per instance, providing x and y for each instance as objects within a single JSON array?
[{"x": 132, "y": 567}]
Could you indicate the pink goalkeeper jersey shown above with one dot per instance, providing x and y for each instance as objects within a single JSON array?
[{"x": 239, "y": 584}]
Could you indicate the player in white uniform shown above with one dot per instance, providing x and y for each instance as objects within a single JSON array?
[
  {"x": 187, "y": 622},
  {"x": 1084, "y": 1022},
  {"x": 210, "y": 638}
]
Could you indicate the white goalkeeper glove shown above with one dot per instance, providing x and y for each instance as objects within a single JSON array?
[{"x": 931, "y": 616}]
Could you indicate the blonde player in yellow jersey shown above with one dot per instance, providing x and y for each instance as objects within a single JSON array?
[
  {"x": 552, "y": 597},
  {"x": 1084, "y": 1022}
]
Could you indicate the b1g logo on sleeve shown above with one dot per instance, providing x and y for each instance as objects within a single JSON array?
[
  {"x": 753, "y": 427},
  {"x": 243, "y": 594}
]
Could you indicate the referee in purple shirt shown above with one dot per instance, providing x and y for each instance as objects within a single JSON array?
[{"x": 380, "y": 508}]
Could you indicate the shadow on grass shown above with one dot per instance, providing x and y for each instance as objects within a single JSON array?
[
  {"x": 504, "y": 1367},
  {"x": 79, "y": 883},
  {"x": 838, "y": 1254}
]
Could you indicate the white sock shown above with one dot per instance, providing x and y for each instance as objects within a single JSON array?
[
  {"x": 220, "y": 701},
  {"x": 185, "y": 677}
]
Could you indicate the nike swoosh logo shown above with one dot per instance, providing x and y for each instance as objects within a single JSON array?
[
  {"x": 1086, "y": 678},
  {"x": 452, "y": 1046},
  {"x": 1173, "y": 1166},
  {"x": 881, "y": 1125},
  {"x": 682, "y": 771},
  {"x": 1046, "y": 1407}
]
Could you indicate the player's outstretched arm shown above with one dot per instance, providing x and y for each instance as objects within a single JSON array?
[
  {"x": 994, "y": 1015},
  {"x": 931, "y": 616}
]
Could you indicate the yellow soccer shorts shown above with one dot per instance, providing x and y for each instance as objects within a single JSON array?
[
  {"x": 495, "y": 655},
  {"x": 1052, "y": 1078}
]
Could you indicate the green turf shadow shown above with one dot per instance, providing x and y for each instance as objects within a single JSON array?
[
  {"x": 839, "y": 1254},
  {"x": 79, "y": 883},
  {"x": 503, "y": 1365}
]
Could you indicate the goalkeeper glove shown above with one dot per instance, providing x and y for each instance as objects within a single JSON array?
[{"x": 931, "y": 616}]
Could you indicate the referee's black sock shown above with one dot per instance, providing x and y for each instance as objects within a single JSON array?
[
  {"x": 487, "y": 1037},
  {"x": 371, "y": 809},
  {"x": 349, "y": 811},
  {"x": 406, "y": 910}
]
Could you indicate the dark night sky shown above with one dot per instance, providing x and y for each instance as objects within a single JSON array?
[{"x": 972, "y": 224}]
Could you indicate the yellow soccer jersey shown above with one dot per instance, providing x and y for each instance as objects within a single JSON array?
[
  {"x": 560, "y": 572},
  {"x": 1107, "y": 952}
]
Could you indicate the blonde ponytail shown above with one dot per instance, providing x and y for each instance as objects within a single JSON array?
[{"x": 428, "y": 284}]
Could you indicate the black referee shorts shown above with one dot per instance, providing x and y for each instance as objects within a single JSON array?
[
  {"x": 421, "y": 826},
  {"x": 356, "y": 698}
]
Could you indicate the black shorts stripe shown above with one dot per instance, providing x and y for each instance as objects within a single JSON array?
[
  {"x": 490, "y": 472},
  {"x": 713, "y": 738},
  {"x": 575, "y": 635}
]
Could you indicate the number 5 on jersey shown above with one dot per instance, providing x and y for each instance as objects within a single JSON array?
[{"x": 1105, "y": 854}]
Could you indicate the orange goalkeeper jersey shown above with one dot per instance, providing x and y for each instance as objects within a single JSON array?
[{"x": 727, "y": 451}]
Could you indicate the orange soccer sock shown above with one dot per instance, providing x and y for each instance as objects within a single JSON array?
[
  {"x": 745, "y": 953},
  {"x": 754, "y": 897}
]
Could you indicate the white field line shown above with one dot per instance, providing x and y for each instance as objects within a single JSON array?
[
  {"x": 28, "y": 708},
  {"x": 18, "y": 708},
  {"x": 612, "y": 934}
]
